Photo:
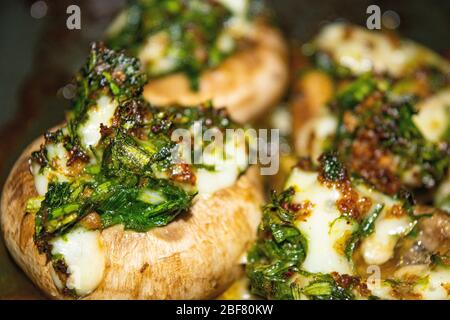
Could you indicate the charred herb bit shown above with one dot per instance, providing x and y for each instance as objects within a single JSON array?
[
  {"x": 113, "y": 70},
  {"x": 62, "y": 272},
  {"x": 190, "y": 28},
  {"x": 331, "y": 168},
  {"x": 40, "y": 157},
  {"x": 352, "y": 283},
  {"x": 76, "y": 155},
  {"x": 132, "y": 114},
  {"x": 205, "y": 114},
  {"x": 106, "y": 72},
  {"x": 279, "y": 251}
]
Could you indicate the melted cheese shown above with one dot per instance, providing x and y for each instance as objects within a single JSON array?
[
  {"x": 438, "y": 285},
  {"x": 362, "y": 50},
  {"x": 327, "y": 231},
  {"x": 237, "y": 7},
  {"x": 40, "y": 179},
  {"x": 228, "y": 163},
  {"x": 84, "y": 256},
  {"x": 322, "y": 228},
  {"x": 58, "y": 171},
  {"x": 430, "y": 284},
  {"x": 102, "y": 113},
  {"x": 379, "y": 247},
  {"x": 433, "y": 118},
  {"x": 155, "y": 54},
  {"x": 209, "y": 182}
]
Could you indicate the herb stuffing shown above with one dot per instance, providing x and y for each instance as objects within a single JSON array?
[
  {"x": 279, "y": 250},
  {"x": 379, "y": 140},
  {"x": 275, "y": 263},
  {"x": 343, "y": 215}
]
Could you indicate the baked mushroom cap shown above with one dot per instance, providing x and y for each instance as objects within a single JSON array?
[{"x": 127, "y": 200}]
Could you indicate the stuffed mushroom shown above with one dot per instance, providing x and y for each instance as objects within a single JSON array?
[
  {"x": 382, "y": 101},
  {"x": 110, "y": 206},
  {"x": 194, "y": 51},
  {"x": 355, "y": 220},
  {"x": 330, "y": 235}
]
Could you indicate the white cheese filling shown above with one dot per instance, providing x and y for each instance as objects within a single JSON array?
[
  {"x": 430, "y": 284},
  {"x": 57, "y": 170},
  {"x": 328, "y": 231},
  {"x": 227, "y": 163},
  {"x": 379, "y": 247},
  {"x": 320, "y": 228},
  {"x": 155, "y": 54},
  {"x": 84, "y": 255},
  {"x": 312, "y": 138},
  {"x": 433, "y": 119},
  {"x": 101, "y": 113}
]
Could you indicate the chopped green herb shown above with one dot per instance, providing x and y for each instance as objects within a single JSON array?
[
  {"x": 365, "y": 229},
  {"x": 279, "y": 251}
]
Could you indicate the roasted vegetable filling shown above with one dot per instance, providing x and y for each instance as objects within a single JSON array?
[{"x": 119, "y": 160}]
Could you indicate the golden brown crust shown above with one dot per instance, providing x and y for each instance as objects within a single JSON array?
[
  {"x": 195, "y": 257},
  {"x": 246, "y": 83}
]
